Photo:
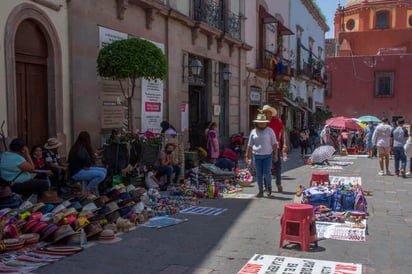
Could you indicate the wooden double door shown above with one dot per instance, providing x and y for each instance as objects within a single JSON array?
[{"x": 31, "y": 84}]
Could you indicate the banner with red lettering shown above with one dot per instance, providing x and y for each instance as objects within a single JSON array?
[{"x": 278, "y": 264}]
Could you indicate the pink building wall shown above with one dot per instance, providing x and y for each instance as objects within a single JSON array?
[{"x": 351, "y": 86}]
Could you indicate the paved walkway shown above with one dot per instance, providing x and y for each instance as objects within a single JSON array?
[{"x": 224, "y": 243}]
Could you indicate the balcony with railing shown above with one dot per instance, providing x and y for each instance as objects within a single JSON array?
[{"x": 216, "y": 15}]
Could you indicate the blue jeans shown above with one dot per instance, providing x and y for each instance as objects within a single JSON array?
[
  {"x": 278, "y": 168},
  {"x": 168, "y": 171},
  {"x": 399, "y": 155},
  {"x": 263, "y": 164},
  {"x": 94, "y": 176}
]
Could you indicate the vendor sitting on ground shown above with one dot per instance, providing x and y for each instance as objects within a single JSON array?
[
  {"x": 16, "y": 166},
  {"x": 167, "y": 165},
  {"x": 227, "y": 160}
]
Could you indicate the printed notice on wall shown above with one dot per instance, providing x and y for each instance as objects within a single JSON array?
[
  {"x": 152, "y": 101},
  {"x": 107, "y": 36},
  {"x": 277, "y": 264},
  {"x": 112, "y": 109}
]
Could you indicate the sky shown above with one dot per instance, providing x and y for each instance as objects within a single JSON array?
[{"x": 328, "y": 8}]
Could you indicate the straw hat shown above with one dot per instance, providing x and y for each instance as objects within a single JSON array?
[
  {"x": 52, "y": 143},
  {"x": 271, "y": 109},
  {"x": 261, "y": 118}
]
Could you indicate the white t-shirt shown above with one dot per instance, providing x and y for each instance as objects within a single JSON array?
[
  {"x": 262, "y": 141},
  {"x": 150, "y": 183},
  {"x": 381, "y": 135}
]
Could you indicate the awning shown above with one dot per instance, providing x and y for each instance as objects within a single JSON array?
[
  {"x": 268, "y": 18},
  {"x": 282, "y": 30},
  {"x": 292, "y": 104},
  {"x": 306, "y": 108}
]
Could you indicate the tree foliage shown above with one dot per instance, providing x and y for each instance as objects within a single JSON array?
[
  {"x": 132, "y": 58},
  {"x": 129, "y": 60}
]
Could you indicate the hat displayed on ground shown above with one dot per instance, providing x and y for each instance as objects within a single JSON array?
[
  {"x": 101, "y": 201},
  {"x": 90, "y": 207},
  {"x": 110, "y": 208},
  {"x": 113, "y": 216},
  {"x": 57, "y": 217},
  {"x": 50, "y": 197},
  {"x": 48, "y": 231},
  {"x": 76, "y": 205},
  {"x": 36, "y": 216},
  {"x": 93, "y": 229},
  {"x": 29, "y": 238},
  {"x": 261, "y": 118},
  {"x": 52, "y": 143},
  {"x": 80, "y": 223},
  {"x": 70, "y": 212},
  {"x": 107, "y": 236},
  {"x": 73, "y": 240},
  {"x": 271, "y": 109},
  {"x": 37, "y": 207},
  {"x": 47, "y": 208},
  {"x": 26, "y": 205},
  {"x": 13, "y": 244},
  {"x": 29, "y": 225},
  {"x": 38, "y": 227},
  {"x": 47, "y": 217},
  {"x": 58, "y": 209},
  {"x": 63, "y": 232},
  {"x": 86, "y": 213}
]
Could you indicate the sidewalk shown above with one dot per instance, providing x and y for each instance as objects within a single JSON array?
[{"x": 224, "y": 243}]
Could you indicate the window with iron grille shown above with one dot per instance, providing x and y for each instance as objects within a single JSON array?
[{"x": 384, "y": 84}]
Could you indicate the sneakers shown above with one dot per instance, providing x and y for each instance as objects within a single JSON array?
[
  {"x": 403, "y": 173},
  {"x": 260, "y": 194},
  {"x": 269, "y": 192},
  {"x": 408, "y": 173},
  {"x": 381, "y": 173},
  {"x": 280, "y": 188},
  {"x": 396, "y": 174}
]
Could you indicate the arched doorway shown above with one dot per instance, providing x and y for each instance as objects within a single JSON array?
[{"x": 31, "y": 55}]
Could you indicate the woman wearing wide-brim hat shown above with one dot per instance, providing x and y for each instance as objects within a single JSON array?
[{"x": 263, "y": 147}]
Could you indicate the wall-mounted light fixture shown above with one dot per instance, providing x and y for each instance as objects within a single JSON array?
[
  {"x": 226, "y": 73},
  {"x": 195, "y": 67}
]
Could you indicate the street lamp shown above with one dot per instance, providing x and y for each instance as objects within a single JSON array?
[
  {"x": 196, "y": 67},
  {"x": 226, "y": 73}
]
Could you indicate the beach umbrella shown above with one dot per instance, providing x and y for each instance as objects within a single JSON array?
[
  {"x": 369, "y": 118},
  {"x": 321, "y": 154},
  {"x": 342, "y": 122},
  {"x": 359, "y": 122}
]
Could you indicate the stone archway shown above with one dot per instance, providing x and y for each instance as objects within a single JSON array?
[{"x": 31, "y": 12}]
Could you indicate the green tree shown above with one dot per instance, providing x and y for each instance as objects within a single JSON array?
[{"x": 130, "y": 59}]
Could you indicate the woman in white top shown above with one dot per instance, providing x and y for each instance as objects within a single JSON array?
[{"x": 263, "y": 146}]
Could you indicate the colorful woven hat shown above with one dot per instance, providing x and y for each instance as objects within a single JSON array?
[
  {"x": 47, "y": 208},
  {"x": 29, "y": 225},
  {"x": 37, "y": 207},
  {"x": 107, "y": 236},
  {"x": 48, "y": 231},
  {"x": 63, "y": 232},
  {"x": 93, "y": 229},
  {"x": 80, "y": 223},
  {"x": 38, "y": 227},
  {"x": 29, "y": 238}
]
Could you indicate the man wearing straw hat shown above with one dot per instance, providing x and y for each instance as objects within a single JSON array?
[
  {"x": 277, "y": 125},
  {"x": 263, "y": 146}
]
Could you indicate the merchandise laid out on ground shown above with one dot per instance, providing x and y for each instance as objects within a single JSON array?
[
  {"x": 36, "y": 234},
  {"x": 267, "y": 264}
]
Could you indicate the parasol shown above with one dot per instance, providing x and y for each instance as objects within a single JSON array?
[
  {"x": 321, "y": 154},
  {"x": 342, "y": 122},
  {"x": 369, "y": 118}
]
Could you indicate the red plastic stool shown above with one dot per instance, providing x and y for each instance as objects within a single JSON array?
[
  {"x": 319, "y": 178},
  {"x": 298, "y": 226}
]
